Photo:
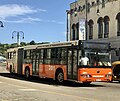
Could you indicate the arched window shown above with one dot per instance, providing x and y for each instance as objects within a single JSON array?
[
  {"x": 118, "y": 24},
  {"x": 73, "y": 32},
  {"x": 88, "y": 8},
  {"x": 77, "y": 32},
  {"x": 90, "y": 23},
  {"x": 106, "y": 26},
  {"x": 100, "y": 27}
]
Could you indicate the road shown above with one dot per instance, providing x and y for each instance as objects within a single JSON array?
[{"x": 16, "y": 88}]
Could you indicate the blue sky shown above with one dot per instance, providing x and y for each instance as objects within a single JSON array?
[{"x": 40, "y": 20}]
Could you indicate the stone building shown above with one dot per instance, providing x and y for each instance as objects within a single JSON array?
[{"x": 103, "y": 22}]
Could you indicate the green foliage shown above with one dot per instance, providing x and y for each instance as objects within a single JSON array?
[
  {"x": 32, "y": 42},
  {"x": 4, "y": 47}
]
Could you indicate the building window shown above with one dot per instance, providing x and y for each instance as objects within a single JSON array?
[
  {"x": 77, "y": 32},
  {"x": 79, "y": 9},
  {"x": 118, "y": 24},
  {"x": 98, "y": 2},
  {"x": 103, "y": 3},
  {"x": 88, "y": 7},
  {"x": 93, "y": 3},
  {"x": 83, "y": 7},
  {"x": 106, "y": 26},
  {"x": 100, "y": 27},
  {"x": 90, "y": 23},
  {"x": 73, "y": 32}
]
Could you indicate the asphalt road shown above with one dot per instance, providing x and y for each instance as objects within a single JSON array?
[{"x": 16, "y": 88}]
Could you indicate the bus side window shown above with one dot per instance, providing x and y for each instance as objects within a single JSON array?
[
  {"x": 25, "y": 55},
  {"x": 63, "y": 56},
  {"x": 47, "y": 55},
  {"x": 41, "y": 51}
]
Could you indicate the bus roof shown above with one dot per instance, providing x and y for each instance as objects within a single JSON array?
[
  {"x": 58, "y": 44},
  {"x": 49, "y": 45},
  {"x": 87, "y": 44},
  {"x": 30, "y": 47},
  {"x": 13, "y": 49}
]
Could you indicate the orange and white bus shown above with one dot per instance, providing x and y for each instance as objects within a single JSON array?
[{"x": 60, "y": 61}]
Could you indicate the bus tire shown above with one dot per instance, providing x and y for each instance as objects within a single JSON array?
[
  {"x": 59, "y": 77},
  {"x": 27, "y": 73}
]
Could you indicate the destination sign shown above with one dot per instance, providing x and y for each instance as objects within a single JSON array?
[{"x": 95, "y": 45}]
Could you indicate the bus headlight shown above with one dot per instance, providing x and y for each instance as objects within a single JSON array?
[
  {"x": 86, "y": 75},
  {"x": 108, "y": 75}
]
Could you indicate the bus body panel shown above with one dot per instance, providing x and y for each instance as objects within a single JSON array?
[
  {"x": 50, "y": 70},
  {"x": 94, "y": 74},
  {"x": 27, "y": 66},
  {"x": 12, "y": 66},
  {"x": 46, "y": 71},
  {"x": 15, "y": 60}
]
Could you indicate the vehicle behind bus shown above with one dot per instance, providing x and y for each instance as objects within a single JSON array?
[
  {"x": 61, "y": 61},
  {"x": 116, "y": 71}
]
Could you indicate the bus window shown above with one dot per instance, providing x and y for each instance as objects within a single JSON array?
[
  {"x": 41, "y": 51},
  {"x": 25, "y": 55},
  {"x": 63, "y": 56},
  {"x": 104, "y": 59},
  {"x": 47, "y": 55}
]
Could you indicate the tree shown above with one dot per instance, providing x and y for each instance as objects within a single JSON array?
[
  {"x": 23, "y": 44},
  {"x": 32, "y": 42}
]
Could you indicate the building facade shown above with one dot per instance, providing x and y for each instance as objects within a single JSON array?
[{"x": 96, "y": 20}]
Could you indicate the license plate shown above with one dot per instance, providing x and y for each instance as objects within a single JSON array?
[{"x": 98, "y": 79}]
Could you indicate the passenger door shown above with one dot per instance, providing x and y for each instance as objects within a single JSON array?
[
  {"x": 72, "y": 64},
  {"x": 35, "y": 62},
  {"x": 20, "y": 61}
]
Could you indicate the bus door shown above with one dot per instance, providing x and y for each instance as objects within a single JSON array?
[
  {"x": 72, "y": 64},
  {"x": 19, "y": 61},
  {"x": 35, "y": 62}
]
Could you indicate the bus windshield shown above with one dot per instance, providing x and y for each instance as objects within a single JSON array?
[
  {"x": 104, "y": 59},
  {"x": 98, "y": 59},
  {"x": 94, "y": 54},
  {"x": 94, "y": 59}
]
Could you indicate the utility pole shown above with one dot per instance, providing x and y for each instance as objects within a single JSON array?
[{"x": 86, "y": 19}]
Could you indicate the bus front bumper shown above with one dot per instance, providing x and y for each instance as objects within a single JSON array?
[{"x": 95, "y": 78}]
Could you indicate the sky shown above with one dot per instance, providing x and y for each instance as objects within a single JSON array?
[{"x": 39, "y": 20}]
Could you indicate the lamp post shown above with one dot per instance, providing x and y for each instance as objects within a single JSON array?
[
  {"x": 86, "y": 18},
  {"x": 18, "y": 33},
  {"x": 67, "y": 11}
]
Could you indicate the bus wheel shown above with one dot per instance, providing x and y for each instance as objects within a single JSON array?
[
  {"x": 59, "y": 77},
  {"x": 27, "y": 73}
]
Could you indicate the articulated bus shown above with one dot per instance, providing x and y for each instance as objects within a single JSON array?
[{"x": 60, "y": 61}]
